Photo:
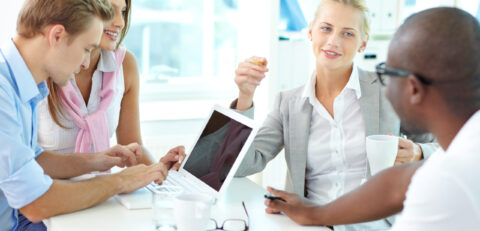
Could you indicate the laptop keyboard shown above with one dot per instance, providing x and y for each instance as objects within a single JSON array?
[{"x": 175, "y": 179}]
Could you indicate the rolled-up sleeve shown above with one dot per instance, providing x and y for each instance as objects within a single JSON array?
[
  {"x": 38, "y": 150},
  {"x": 22, "y": 180}
]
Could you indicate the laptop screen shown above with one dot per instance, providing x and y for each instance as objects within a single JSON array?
[{"x": 216, "y": 150}]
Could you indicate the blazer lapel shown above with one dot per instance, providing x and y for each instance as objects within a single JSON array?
[
  {"x": 300, "y": 127},
  {"x": 369, "y": 102}
]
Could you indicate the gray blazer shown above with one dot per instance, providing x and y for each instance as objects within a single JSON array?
[{"x": 288, "y": 126}]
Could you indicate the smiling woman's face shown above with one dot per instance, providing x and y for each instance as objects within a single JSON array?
[
  {"x": 336, "y": 35},
  {"x": 112, "y": 30}
]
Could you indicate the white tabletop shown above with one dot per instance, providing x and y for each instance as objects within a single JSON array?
[{"x": 111, "y": 215}]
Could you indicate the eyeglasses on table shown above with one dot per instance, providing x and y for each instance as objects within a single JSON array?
[{"x": 231, "y": 224}]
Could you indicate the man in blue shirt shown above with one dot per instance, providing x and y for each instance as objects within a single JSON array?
[{"x": 54, "y": 40}]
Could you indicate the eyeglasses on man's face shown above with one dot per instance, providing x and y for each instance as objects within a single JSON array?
[
  {"x": 384, "y": 73},
  {"x": 231, "y": 224}
]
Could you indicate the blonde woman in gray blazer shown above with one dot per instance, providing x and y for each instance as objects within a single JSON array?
[
  {"x": 287, "y": 127},
  {"x": 322, "y": 126}
]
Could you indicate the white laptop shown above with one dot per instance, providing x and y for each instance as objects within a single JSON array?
[{"x": 211, "y": 163}]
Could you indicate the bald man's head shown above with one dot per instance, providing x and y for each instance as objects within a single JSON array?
[{"x": 442, "y": 44}]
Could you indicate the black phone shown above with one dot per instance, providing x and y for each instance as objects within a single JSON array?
[{"x": 272, "y": 197}]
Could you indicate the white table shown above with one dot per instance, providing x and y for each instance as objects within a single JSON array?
[{"x": 111, "y": 215}]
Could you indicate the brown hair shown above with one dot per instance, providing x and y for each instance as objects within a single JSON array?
[
  {"x": 55, "y": 103},
  {"x": 126, "y": 18},
  {"x": 357, "y": 4},
  {"x": 74, "y": 15}
]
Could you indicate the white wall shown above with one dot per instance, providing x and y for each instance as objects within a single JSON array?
[
  {"x": 258, "y": 36},
  {"x": 9, "y": 12},
  {"x": 470, "y": 6}
]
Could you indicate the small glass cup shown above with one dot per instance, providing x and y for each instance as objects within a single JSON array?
[{"x": 162, "y": 207}]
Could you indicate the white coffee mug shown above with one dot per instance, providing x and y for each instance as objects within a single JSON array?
[
  {"x": 381, "y": 152},
  {"x": 192, "y": 211}
]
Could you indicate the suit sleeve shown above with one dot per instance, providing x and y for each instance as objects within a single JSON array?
[
  {"x": 267, "y": 143},
  {"x": 427, "y": 143}
]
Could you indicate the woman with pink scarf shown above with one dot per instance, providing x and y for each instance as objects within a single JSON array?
[{"x": 101, "y": 100}]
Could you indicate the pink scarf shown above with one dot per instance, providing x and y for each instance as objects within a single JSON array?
[{"x": 93, "y": 127}]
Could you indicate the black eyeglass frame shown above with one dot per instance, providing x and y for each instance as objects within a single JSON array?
[
  {"x": 247, "y": 223},
  {"x": 383, "y": 69}
]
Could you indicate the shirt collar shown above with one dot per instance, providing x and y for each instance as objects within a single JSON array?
[
  {"x": 26, "y": 87},
  {"x": 107, "y": 61},
  {"x": 309, "y": 89},
  {"x": 353, "y": 83},
  {"x": 44, "y": 91}
]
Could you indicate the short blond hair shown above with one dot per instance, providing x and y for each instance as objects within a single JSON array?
[
  {"x": 74, "y": 15},
  {"x": 357, "y": 4}
]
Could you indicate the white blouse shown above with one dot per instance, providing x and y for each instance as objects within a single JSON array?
[
  {"x": 336, "y": 155},
  {"x": 336, "y": 160},
  {"x": 55, "y": 138}
]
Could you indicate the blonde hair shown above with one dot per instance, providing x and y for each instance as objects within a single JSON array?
[
  {"x": 357, "y": 4},
  {"x": 74, "y": 15}
]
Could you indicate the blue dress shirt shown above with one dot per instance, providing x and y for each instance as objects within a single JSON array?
[{"x": 22, "y": 180}]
